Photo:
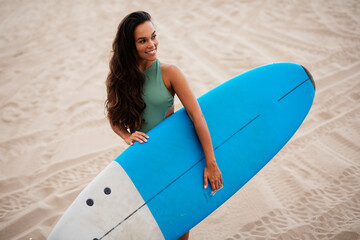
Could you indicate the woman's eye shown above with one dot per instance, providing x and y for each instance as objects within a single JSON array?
[{"x": 153, "y": 37}]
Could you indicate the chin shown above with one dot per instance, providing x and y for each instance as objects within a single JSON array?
[{"x": 150, "y": 59}]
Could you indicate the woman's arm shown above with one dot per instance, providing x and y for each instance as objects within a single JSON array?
[
  {"x": 130, "y": 138},
  {"x": 181, "y": 87}
]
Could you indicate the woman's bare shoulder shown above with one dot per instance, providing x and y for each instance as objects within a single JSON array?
[{"x": 170, "y": 69}]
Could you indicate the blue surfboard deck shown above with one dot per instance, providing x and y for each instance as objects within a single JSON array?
[{"x": 250, "y": 118}]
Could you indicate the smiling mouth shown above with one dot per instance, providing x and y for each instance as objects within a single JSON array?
[{"x": 151, "y": 52}]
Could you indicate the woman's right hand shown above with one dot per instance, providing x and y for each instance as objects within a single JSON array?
[{"x": 136, "y": 137}]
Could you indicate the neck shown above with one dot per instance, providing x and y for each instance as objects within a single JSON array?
[{"x": 145, "y": 65}]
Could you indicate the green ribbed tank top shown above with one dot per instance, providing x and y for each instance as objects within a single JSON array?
[{"x": 156, "y": 96}]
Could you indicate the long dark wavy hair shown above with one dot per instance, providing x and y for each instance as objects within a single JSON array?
[{"x": 125, "y": 81}]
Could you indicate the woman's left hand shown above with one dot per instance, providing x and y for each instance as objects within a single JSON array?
[{"x": 213, "y": 175}]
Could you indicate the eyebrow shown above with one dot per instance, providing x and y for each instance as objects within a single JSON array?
[{"x": 140, "y": 38}]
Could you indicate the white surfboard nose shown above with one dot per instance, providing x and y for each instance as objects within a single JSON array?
[{"x": 108, "y": 208}]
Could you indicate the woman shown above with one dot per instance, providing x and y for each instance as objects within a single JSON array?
[{"x": 140, "y": 91}]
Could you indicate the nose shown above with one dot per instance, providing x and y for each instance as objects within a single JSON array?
[
  {"x": 152, "y": 44},
  {"x": 310, "y": 77}
]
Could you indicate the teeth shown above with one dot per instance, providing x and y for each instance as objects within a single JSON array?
[{"x": 153, "y": 51}]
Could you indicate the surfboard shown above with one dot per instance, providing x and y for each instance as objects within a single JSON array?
[{"x": 155, "y": 190}]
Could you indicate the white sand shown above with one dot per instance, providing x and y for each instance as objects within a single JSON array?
[{"x": 55, "y": 138}]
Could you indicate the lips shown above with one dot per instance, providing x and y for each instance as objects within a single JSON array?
[{"x": 152, "y": 52}]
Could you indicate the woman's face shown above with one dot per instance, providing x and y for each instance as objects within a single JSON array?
[{"x": 146, "y": 42}]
